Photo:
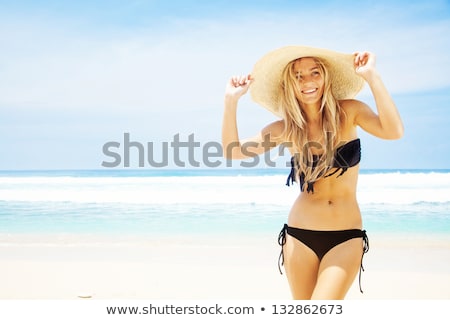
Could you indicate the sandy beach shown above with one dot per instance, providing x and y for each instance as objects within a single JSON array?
[{"x": 70, "y": 267}]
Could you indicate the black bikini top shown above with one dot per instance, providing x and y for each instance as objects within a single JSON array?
[{"x": 346, "y": 156}]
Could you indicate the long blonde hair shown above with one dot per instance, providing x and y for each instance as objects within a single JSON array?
[{"x": 295, "y": 129}]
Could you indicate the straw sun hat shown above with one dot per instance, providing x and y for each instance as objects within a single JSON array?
[{"x": 345, "y": 83}]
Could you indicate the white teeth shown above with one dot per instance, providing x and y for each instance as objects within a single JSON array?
[{"x": 309, "y": 91}]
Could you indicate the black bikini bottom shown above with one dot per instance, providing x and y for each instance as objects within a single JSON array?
[{"x": 322, "y": 241}]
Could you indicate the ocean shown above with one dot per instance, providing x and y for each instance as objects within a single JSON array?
[{"x": 227, "y": 202}]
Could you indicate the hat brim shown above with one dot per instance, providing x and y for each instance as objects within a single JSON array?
[{"x": 268, "y": 70}]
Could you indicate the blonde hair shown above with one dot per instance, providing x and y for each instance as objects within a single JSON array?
[{"x": 295, "y": 131}]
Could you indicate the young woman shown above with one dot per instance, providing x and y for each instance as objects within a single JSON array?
[{"x": 311, "y": 90}]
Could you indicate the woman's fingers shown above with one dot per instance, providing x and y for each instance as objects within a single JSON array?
[
  {"x": 241, "y": 80},
  {"x": 361, "y": 58}
]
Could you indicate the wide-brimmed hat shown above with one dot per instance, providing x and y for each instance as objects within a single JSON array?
[{"x": 267, "y": 72}]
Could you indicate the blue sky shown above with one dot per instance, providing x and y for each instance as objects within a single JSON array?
[{"x": 76, "y": 75}]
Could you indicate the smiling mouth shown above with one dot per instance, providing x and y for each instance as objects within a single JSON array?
[{"x": 308, "y": 91}]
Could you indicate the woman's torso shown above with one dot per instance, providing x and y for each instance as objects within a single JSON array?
[{"x": 332, "y": 206}]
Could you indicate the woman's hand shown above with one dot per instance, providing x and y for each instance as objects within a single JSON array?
[
  {"x": 237, "y": 86},
  {"x": 387, "y": 124},
  {"x": 365, "y": 64}
]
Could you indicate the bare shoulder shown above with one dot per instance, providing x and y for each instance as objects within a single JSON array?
[
  {"x": 273, "y": 133},
  {"x": 275, "y": 129},
  {"x": 353, "y": 108}
]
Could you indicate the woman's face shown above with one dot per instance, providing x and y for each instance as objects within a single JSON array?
[{"x": 310, "y": 81}]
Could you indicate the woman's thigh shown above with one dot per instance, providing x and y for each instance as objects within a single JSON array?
[
  {"x": 302, "y": 266},
  {"x": 338, "y": 270}
]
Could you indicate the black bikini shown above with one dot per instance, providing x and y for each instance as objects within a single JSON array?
[
  {"x": 346, "y": 156},
  {"x": 322, "y": 241}
]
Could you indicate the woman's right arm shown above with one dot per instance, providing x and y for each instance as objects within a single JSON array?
[{"x": 233, "y": 147}]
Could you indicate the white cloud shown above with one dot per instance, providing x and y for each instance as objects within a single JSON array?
[{"x": 58, "y": 67}]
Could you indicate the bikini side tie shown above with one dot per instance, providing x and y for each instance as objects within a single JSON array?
[
  {"x": 365, "y": 250},
  {"x": 281, "y": 242}
]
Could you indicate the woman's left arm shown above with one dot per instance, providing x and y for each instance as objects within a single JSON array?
[{"x": 387, "y": 124}]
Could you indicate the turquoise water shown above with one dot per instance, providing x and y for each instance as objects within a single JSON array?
[{"x": 229, "y": 202}]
